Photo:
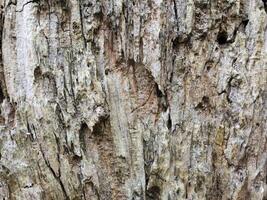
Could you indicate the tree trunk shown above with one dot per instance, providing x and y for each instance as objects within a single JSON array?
[{"x": 133, "y": 99}]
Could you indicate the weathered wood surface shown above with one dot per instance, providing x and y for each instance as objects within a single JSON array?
[{"x": 133, "y": 99}]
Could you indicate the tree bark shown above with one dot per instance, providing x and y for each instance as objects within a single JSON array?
[{"x": 133, "y": 99}]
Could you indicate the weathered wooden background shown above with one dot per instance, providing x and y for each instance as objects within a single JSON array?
[{"x": 133, "y": 99}]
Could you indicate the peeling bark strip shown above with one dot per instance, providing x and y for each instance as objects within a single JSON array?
[{"x": 133, "y": 99}]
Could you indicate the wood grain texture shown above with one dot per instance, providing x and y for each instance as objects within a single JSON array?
[{"x": 133, "y": 99}]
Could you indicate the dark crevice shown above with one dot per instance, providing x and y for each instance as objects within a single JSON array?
[
  {"x": 176, "y": 14},
  {"x": 180, "y": 39},
  {"x": 205, "y": 99},
  {"x": 64, "y": 5},
  {"x": 204, "y": 104},
  {"x": 37, "y": 73},
  {"x": 76, "y": 159},
  {"x": 99, "y": 127},
  {"x": 209, "y": 65},
  {"x": 162, "y": 99},
  {"x": 153, "y": 193},
  {"x": 228, "y": 99},
  {"x": 107, "y": 71},
  {"x": 169, "y": 122},
  {"x": 2, "y": 96},
  {"x": 222, "y": 92},
  {"x": 175, "y": 43},
  {"x": 245, "y": 22},
  {"x": 130, "y": 62},
  {"x": 222, "y": 37},
  {"x": 3, "y": 90},
  {"x": 158, "y": 91},
  {"x": 71, "y": 147},
  {"x": 265, "y": 5}
]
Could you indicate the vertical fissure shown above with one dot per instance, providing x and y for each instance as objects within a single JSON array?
[
  {"x": 3, "y": 91},
  {"x": 66, "y": 197},
  {"x": 176, "y": 14},
  {"x": 82, "y": 26}
]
